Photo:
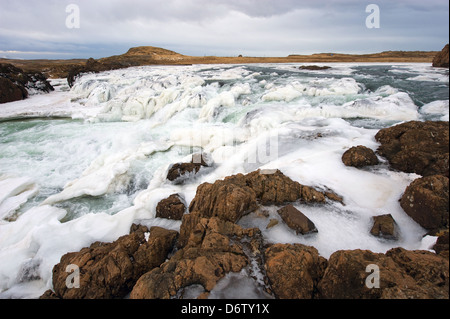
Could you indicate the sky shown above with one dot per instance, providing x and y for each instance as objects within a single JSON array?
[{"x": 53, "y": 29}]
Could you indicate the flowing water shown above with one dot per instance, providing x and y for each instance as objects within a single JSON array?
[{"x": 81, "y": 165}]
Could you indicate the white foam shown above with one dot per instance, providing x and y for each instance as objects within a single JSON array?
[
  {"x": 14, "y": 192},
  {"x": 440, "y": 108}
]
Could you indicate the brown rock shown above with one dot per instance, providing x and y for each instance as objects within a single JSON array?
[
  {"x": 314, "y": 67},
  {"x": 416, "y": 147},
  {"x": 294, "y": 270},
  {"x": 110, "y": 270},
  {"x": 402, "y": 275},
  {"x": 215, "y": 248},
  {"x": 441, "y": 60},
  {"x": 384, "y": 226},
  {"x": 426, "y": 200},
  {"x": 171, "y": 208},
  {"x": 296, "y": 220},
  {"x": 360, "y": 156},
  {"x": 442, "y": 245},
  {"x": 10, "y": 92},
  {"x": 179, "y": 172}
]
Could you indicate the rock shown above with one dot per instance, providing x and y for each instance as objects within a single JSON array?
[
  {"x": 294, "y": 270},
  {"x": 110, "y": 270},
  {"x": 441, "y": 60},
  {"x": 402, "y": 275},
  {"x": 426, "y": 200},
  {"x": 296, "y": 220},
  {"x": 416, "y": 147},
  {"x": 272, "y": 223},
  {"x": 15, "y": 84},
  {"x": 360, "y": 156},
  {"x": 215, "y": 248},
  {"x": 384, "y": 226},
  {"x": 91, "y": 66},
  {"x": 442, "y": 245},
  {"x": 171, "y": 208},
  {"x": 10, "y": 92},
  {"x": 180, "y": 172},
  {"x": 314, "y": 67}
]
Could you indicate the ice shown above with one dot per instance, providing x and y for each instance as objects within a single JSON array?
[
  {"x": 68, "y": 183},
  {"x": 14, "y": 192}
]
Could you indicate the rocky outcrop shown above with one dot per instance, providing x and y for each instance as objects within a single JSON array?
[
  {"x": 215, "y": 248},
  {"x": 296, "y": 220},
  {"x": 416, "y": 147},
  {"x": 384, "y": 226},
  {"x": 442, "y": 245},
  {"x": 91, "y": 66},
  {"x": 360, "y": 156},
  {"x": 401, "y": 274},
  {"x": 15, "y": 84},
  {"x": 294, "y": 271},
  {"x": 110, "y": 270},
  {"x": 426, "y": 200},
  {"x": 172, "y": 207},
  {"x": 441, "y": 60}
]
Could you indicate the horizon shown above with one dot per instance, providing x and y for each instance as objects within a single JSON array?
[{"x": 80, "y": 29}]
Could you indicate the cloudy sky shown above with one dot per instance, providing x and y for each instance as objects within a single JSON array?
[{"x": 38, "y": 28}]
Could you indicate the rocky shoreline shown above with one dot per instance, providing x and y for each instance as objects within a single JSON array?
[{"x": 157, "y": 263}]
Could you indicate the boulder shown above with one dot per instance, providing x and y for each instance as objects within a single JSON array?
[
  {"x": 294, "y": 270},
  {"x": 442, "y": 245},
  {"x": 416, "y": 147},
  {"x": 441, "y": 60},
  {"x": 314, "y": 67},
  {"x": 215, "y": 248},
  {"x": 172, "y": 207},
  {"x": 384, "y": 226},
  {"x": 110, "y": 270},
  {"x": 180, "y": 172},
  {"x": 15, "y": 83},
  {"x": 426, "y": 200},
  {"x": 402, "y": 275},
  {"x": 360, "y": 156},
  {"x": 296, "y": 220}
]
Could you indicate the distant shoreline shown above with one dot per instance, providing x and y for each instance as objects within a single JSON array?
[{"x": 156, "y": 56}]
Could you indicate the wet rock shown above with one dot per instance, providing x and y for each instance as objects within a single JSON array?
[
  {"x": 215, "y": 248},
  {"x": 15, "y": 84},
  {"x": 296, "y": 220},
  {"x": 272, "y": 223},
  {"x": 416, "y": 147},
  {"x": 441, "y": 60},
  {"x": 442, "y": 245},
  {"x": 314, "y": 67},
  {"x": 360, "y": 156},
  {"x": 110, "y": 270},
  {"x": 173, "y": 207},
  {"x": 426, "y": 200},
  {"x": 384, "y": 226},
  {"x": 294, "y": 270},
  {"x": 402, "y": 275},
  {"x": 180, "y": 172}
]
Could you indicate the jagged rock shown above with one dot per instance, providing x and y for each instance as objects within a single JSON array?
[
  {"x": 240, "y": 194},
  {"x": 15, "y": 83},
  {"x": 215, "y": 248},
  {"x": 296, "y": 220},
  {"x": 360, "y": 156},
  {"x": 110, "y": 270},
  {"x": 171, "y": 208},
  {"x": 416, "y": 147},
  {"x": 294, "y": 270},
  {"x": 426, "y": 200},
  {"x": 402, "y": 275},
  {"x": 441, "y": 60},
  {"x": 442, "y": 245},
  {"x": 180, "y": 172},
  {"x": 384, "y": 226}
]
